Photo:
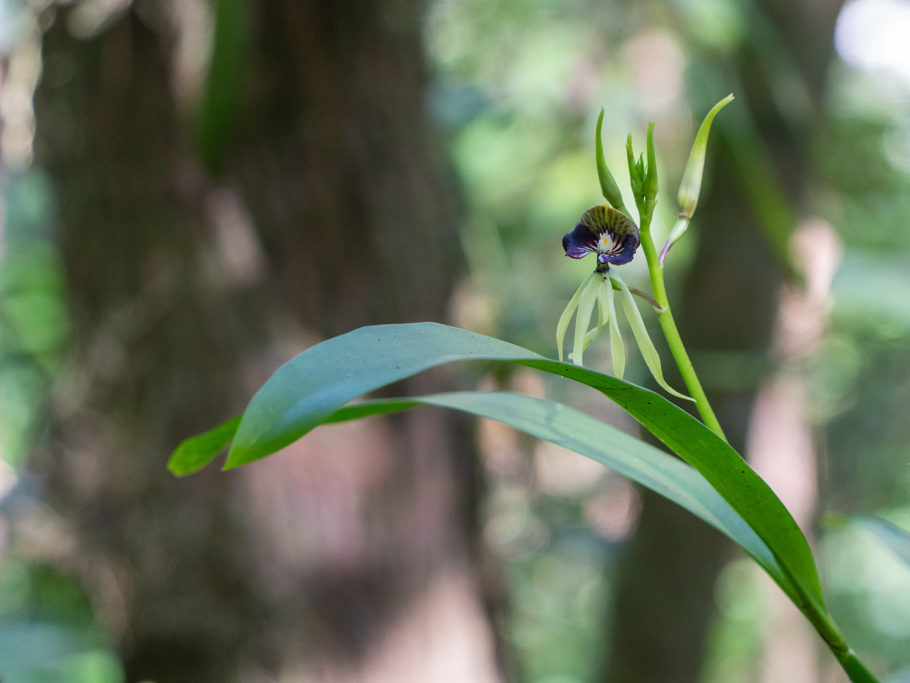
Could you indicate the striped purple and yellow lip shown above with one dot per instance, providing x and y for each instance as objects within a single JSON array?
[{"x": 604, "y": 231}]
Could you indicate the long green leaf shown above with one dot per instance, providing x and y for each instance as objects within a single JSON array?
[
  {"x": 306, "y": 391},
  {"x": 631, "y": 457}
]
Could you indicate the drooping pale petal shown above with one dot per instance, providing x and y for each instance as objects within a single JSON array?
[
  {"x": 602, "y": 318},
  {"x": 563, "y": 325},
  {"x": 617, "y": 347},
  {"x": 583, "y": 320},
  {"x": 645, "y": 345}
]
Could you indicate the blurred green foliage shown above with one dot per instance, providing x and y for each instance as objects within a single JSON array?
[
  {"x": 47, "y": 629},
  {"x": 32, "y": 311},
  {"x": 558, "y": 601},
  {"x": 516, "y": 90}
]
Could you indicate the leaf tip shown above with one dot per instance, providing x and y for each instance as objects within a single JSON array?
[
  {"x": 194, "y": 453},
  {"x": 174, "y": 467}
]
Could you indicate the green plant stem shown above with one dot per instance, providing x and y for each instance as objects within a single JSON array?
[
  {"x": 671, "y": 333},
  {"x": 816, "y": 614},
  {"x": 854, "y": 668},
  {"x": 827, "y": 629}
]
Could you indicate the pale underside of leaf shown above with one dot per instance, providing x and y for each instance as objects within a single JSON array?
[
  {"x": 309, "y": 389},
  {"x": 578, "y": 432}
]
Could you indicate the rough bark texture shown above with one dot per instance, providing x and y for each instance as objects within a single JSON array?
[
  {"x": 156, "y": 353},
  {"x": 351, "y": 556},
  {"x": 336, "y": 163},
  {"x": 665, "y": 593}
]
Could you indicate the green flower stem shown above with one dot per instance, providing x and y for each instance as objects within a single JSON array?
[
  {"x": 854, "y": 668},
  {"x": 827, "y": 629},
  {"x": 816, "y": 614},
  {"x": 671, "y": 333}
]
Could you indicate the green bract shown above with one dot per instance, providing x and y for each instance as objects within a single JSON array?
[
  {"x": 608, "y": 185},
  {"x": 690, "y": 186}
]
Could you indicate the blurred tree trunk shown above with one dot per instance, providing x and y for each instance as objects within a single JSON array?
[
  {"x": 352, "y": 556},
  {"x": 664, "y": 597},
  {"x": 358, "y": 221},
  {"x": 156, "y": 352}
]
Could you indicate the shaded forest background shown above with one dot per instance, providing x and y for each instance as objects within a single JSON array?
[{"x": 193, "y": 192}]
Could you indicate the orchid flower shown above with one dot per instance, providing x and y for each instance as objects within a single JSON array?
[{"x": 614, "y": 238}]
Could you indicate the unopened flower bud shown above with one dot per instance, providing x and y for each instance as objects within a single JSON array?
[
  {"x": 608, "y": 185},
  {"x": 690, "y": 187}
]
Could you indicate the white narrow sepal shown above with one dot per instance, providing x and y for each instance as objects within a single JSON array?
[
  {"x": 645, "y": 345},
  {"x": 583, "y": 319},
  {"x": 563, "y": 325},
  {"x": 617, "y": 347},
  {"x": 603, "y": 317}
]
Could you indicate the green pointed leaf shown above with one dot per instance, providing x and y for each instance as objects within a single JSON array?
[
  {"x": 631, "y": 457},
  {"x": 198, "y": 451},
  {"x": 306, "y": 391}
]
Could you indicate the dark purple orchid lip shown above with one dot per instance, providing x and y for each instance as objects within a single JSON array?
[{"x": 604, "y": 231}]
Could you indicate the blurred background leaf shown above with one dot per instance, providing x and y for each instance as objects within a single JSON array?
[{"x": 421, "y": 161}]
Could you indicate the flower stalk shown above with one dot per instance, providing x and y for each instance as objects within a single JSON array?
[
  {"x": 645, "y": 186},
  {"x": 609, "y": 232},
  {"x": 671, "y": 334}
]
